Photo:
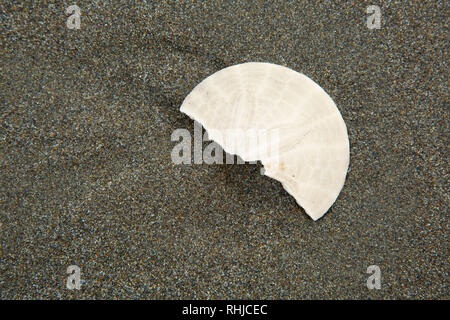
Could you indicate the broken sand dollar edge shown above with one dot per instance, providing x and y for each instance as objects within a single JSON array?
[{"x": 312, "y": 146}]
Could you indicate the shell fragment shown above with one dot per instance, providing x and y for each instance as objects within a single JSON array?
[{"x": 267, "y": 112}]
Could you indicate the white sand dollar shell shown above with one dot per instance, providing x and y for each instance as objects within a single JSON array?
[{"x": 312, "y": 149}]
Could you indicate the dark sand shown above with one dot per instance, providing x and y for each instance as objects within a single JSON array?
[{"x": 86, "y": 176}]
